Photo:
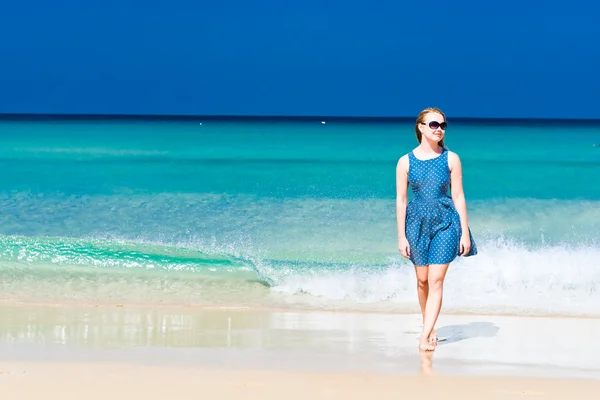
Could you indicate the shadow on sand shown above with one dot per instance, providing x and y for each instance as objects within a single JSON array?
[
  {"x": 453, "y": 334},
  {"x": 456, "y": 333}
]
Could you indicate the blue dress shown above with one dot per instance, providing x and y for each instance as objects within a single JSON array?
[{"x": 433, "y": 226}]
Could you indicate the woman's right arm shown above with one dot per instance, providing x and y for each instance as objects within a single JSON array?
[{"x": 401, "y": 202}]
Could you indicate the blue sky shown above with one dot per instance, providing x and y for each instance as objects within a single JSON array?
[{"x": 314, "y": 57}]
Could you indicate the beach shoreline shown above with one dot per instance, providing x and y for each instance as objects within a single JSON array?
[{"x": 144, "y": 305}]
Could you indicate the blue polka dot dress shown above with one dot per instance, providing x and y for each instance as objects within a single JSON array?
[{"x": 433, "y": 226}]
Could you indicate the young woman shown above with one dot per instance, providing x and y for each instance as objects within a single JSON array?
[{"x": 433, "y": 227}]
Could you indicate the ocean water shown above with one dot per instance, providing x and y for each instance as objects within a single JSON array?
[{"x": 289, "y": 214}]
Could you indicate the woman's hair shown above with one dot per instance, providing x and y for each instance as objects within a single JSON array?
[{"x": 421, "y": 118}]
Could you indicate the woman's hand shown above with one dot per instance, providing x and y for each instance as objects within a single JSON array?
[
  {"x": 465, "y": 244},
  {"x": 404, "y": 247}
]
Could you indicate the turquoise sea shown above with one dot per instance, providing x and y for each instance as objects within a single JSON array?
[{"x": 289, "y": 213}]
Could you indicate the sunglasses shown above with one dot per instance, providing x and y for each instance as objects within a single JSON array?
[{"x": 434, "y": 125}]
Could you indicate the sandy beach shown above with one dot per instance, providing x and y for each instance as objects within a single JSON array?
[
  {"x": 72, "y": 351},
  {"x": 123, "y": 381}
]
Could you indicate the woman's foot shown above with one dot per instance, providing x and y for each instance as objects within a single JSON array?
[
  {"x": 433, "y": 337},
  {"x": 427, "y": 344}
]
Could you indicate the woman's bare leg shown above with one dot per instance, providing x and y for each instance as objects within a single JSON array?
[
  {"x": 423, "y": 290},
  {"x": 422, "y": 286},
  {"x": 433, "y": 305}
]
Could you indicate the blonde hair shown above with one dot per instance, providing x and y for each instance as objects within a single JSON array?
[{"x": 421, "y": 118}]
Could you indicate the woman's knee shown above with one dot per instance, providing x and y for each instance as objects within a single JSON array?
[
  {"x": 422, "y": 276},
  {"x": 436, "y": 276},
  {"x": 435, "y": 283}
]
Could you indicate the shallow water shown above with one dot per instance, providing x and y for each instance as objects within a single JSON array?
[{"x": 289, "y": 214}]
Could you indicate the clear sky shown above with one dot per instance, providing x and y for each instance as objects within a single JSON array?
[{"x": 526, "y": 59}]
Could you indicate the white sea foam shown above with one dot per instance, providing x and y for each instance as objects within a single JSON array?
[{"x": 503, "y": 278}]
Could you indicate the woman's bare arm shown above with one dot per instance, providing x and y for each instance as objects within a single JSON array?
[
  {"x": 401, "y": 195},
  {"x": 457, "y": 191}
]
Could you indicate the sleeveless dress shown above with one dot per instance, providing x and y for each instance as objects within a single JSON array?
[{"x": 433, "y": 226}]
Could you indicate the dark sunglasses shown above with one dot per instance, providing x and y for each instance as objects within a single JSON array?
[{"x": 435, "y": 125}]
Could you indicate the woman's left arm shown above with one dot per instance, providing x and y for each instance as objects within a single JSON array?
[{"x": 458, "y": 197}]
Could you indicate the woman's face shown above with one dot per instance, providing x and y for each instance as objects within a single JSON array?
[{"x": 433, "y": 127}]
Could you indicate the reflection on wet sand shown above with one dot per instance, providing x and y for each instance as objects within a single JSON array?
[
  {"x": 122, "y": 327},
  {"x": 354, "y": 341},
  {"x": 426, "y": 362}
]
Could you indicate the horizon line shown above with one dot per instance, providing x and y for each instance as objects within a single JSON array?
[{"x": 357, "y": 118}]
